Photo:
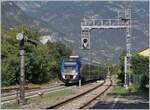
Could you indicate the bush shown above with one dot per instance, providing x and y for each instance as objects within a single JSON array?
[
  {"x": 121, "y": 67},
  {"x": 144, "y": 82},
  {"x": 134, "y": 88},
  {"x": 121, "y": 77},
  {"x": 140, "y": 64},
  {"x": 139, "y": 68}
]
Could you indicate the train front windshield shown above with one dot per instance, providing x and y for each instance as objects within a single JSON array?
[{"x": 69, "y": 69}]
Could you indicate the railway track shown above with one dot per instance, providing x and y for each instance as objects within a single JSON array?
[
  {"x": 14, "y": 96},
  {"x": 11, "y": 97},
  {"x": 83, "y": 99}
]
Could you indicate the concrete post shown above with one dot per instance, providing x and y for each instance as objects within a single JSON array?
[
  {"x": 80, "y": 83},
  {"x": 125, "y": 71}
]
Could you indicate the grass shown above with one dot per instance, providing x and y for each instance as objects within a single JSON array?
[
  {"x": 51, "y": 97},
  {"x": 118, "y": 89},
  {"x": 47, "y": 98},
  {"x": 134, "y": 88}
]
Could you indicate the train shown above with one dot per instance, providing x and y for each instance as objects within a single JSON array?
[{"x": 72, "y": 70}]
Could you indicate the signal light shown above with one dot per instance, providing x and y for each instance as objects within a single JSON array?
[{"x": 85, "y": 43}]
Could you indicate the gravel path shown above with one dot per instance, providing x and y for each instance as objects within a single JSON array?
[{"x": 134, "y": 100}]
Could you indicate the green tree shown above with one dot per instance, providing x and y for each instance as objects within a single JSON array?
[
  {"x": 140, "y": 64},
  {"x": 121, "y": 67},
  {"x": 10, "y": 62},
  {"x": 139, "y": 68},
  {"x": 41, "y": 61}
]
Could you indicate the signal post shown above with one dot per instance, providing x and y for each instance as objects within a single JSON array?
[{"x": 22, "y": 39}]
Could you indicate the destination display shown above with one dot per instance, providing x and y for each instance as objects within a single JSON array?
[{"x": 69, "y": 63}]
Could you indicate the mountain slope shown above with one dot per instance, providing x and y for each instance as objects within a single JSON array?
[
  {"x": 64, "y": 19},
  {"x": 13, "y": 15}
]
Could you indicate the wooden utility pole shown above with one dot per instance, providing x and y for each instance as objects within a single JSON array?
[
  {"x": 22, "y": 71},
  {"x": 22, "y": 77}
]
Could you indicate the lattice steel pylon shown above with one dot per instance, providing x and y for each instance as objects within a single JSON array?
[{"x": 123, "y": 21}]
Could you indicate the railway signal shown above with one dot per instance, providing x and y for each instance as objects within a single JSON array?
[
  {"x": 85, "y": 43},
  {"x": 20, "y": 38}
]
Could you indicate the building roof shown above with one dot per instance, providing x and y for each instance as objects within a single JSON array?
[{"x": 144, "y": 52}]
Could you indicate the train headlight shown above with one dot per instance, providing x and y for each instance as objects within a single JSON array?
[
  {"x": 74, "y": 76},
  {"x": 63, "y": 76}
]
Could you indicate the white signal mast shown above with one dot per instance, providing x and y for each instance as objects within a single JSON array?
[{"x": 123, "y": 21}]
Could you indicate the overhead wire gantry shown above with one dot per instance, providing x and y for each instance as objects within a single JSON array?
[{"x": 123, "y": 21}]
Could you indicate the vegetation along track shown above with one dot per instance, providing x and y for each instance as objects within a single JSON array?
[{"x": 83, "y": 99}]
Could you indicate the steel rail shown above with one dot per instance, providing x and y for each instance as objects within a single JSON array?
[
  {"x": 84, "y": 105},
  {"x": 73, "y": 98},
  {"x": 14, "y": 97},
  {"x": 29, "y": 90}
]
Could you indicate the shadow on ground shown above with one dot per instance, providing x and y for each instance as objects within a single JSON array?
[
  {"x": 120, "y": 105},
  {"x": 131, "y": 100}
]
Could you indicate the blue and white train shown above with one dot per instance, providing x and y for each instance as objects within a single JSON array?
[{"x": 71, "y": 71}]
